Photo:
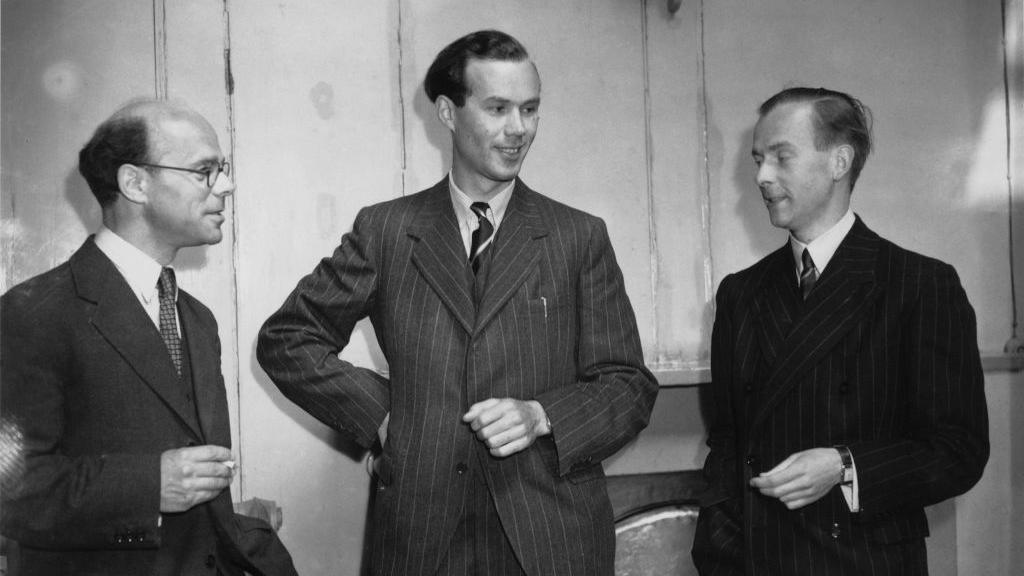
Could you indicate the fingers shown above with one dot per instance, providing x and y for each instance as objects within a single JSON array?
[
  {"x": 505, "y": 425},
  {"x": 193, "y": 475},
  {"x": 476, "y": 410},
  {"x": 801, "y": 479},
  {"x": 205, "y": 453}
]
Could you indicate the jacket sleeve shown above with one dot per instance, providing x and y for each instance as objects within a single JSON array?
[
  {"x": 612, "y": 399},
  {"x": 718, "y": 404},
  {"x": 944, "y": 445},
  {"x": 299, "y": 344},
  {"x": 50, "y": 499}
]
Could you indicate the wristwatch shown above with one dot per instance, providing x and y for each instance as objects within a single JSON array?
[{"x": 846, "y": 476}]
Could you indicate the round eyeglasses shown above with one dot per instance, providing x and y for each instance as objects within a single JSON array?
[{"x": 211, "y": 172}]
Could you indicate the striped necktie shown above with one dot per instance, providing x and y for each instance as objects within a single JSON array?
[
  {"x": 481, "y": 236},
  {"x": 809, "y": 274},
  {"x": 167, "y": 289}
]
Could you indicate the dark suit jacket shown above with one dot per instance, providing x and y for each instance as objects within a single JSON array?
[
  {"x": 554, "y": 325},
  {"x": 87, "y": 379},
  {"x": 882, "y": 357}
]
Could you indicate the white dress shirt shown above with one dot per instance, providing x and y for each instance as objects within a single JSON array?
[
  {"x": 468, "y": 221},
  {"x": 140, "y": 271}
]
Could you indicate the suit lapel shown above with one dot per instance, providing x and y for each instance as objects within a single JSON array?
[
  {"x": 124, "y": 324},
  {"x": 202, "y": 351},
  {"x": 777, "y": 304},
  {"x": 515, "y": 253},
  {"x": 440, "y": 255},
  {"x": 843, "y": 293}
]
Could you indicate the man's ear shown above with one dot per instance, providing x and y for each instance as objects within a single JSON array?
[
  {"x": 842, "y": 161},
  {"x": 446, "y": 111},
  {"x": 133, "y": 183}
]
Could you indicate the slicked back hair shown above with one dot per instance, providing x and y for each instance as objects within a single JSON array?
[
  {"x": 838, "y": 119},
  {"x": 447, "y": 74}
]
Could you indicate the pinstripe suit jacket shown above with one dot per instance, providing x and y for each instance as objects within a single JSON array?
[
  {"x": 554, "y": 324},
  {"x": 882, "y": 357},
  {"x": 88, "y": 380}
]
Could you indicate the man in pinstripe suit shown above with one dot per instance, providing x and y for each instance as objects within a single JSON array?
[
  {"x": 847, "y": 390},
  {"x": 514, "y": 359}
]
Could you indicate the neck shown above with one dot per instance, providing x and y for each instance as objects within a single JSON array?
[
  {"x": 136, "y": 234},
  {"x": 478, "y": 188}
]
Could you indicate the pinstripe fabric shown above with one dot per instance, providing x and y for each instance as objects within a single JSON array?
[
  {"x": 881, "y": 357},
  {"x": 554, "y": 324}
]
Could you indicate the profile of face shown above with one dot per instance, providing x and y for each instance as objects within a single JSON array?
[
  {"x": 182, "y": 209},
  {"x": 493, "y": 130},
  {"x": 798, "y": 182}
]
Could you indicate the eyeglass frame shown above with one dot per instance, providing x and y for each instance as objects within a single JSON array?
[{"x": 211, "y": 175}]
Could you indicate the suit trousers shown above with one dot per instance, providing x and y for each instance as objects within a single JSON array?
[{"x": 479, "y": 545}]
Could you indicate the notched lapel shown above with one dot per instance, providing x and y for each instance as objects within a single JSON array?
[
  {"x": 124, "y": 324},
  {"x": 202, "y": 348},
  {"x": 777, "y": 304},
  {"x": 516, "y": 253},
  {"x": 440, "y": 255}
]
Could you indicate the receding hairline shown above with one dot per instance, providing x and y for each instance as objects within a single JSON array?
[{"x": 153, "y": 112}]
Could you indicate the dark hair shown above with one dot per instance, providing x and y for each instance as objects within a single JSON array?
[
  {"x": 447, "y": 75},
  {"x": 118, "y": 140},
  {"x": 838, "y": 118}
]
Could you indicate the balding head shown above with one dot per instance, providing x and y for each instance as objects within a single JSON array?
[{"x": 129, "y": 136}]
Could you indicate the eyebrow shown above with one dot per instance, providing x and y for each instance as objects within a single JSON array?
[
  {"x": 500, "y": 100},
  {"x": 773, "y": 147}
]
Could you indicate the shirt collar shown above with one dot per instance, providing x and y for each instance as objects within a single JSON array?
[
  {"x": 465, "y": 215},
  {"x": 140, "y": 271},
  {"x": 823, "y": 247}
]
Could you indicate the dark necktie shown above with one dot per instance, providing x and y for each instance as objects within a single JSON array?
[
  {"x": 481, "y": 236},
  {"x": 168, "y": 321},
  {"x": 809, "y": 275}
]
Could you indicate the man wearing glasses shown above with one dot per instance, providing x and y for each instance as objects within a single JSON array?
[{"x": 111, "y": 375}]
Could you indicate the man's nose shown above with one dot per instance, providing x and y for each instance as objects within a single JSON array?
[
  {"x": 764, "y": 175},
  {"x": 515, "y": 124},
  {"x": 225, "y": 185}
]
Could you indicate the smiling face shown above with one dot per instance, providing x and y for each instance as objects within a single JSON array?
[
  {"x": 493, "y": 131},
  {"x": 181, "y": 209},
  {"x": 804, "y": 189}
]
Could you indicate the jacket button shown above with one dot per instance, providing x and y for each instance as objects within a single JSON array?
[
  {"x": 211, "y": 561},
  {"x": 461, "y": 468},
  {"x": 748, "y": 388},
  {"x": 836, "y": 531},
  {"x": 844, "y": 387},
  {"x": 751, "y": 460}
]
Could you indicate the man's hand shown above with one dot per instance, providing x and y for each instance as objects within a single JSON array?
[
  {"x": 190, "y": 476},
  {"x": 507, "y": 425},
  {"x": 803, "y": 478}
]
